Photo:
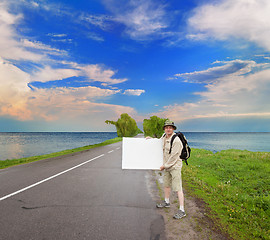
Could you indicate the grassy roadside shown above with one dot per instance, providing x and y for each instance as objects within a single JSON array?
[
  {"x": 235, "y": 184},
  {"x": 13, "y": 162}
]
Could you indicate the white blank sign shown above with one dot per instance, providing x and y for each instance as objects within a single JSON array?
[{"x": 141, "y": 153}]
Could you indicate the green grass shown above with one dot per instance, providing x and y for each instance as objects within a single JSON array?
[
  {"x": 236, "y": 186},
  {"x": 13, "y": 162}
]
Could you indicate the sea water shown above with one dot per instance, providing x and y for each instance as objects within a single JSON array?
[
  {"x": 26, "y": 144},
  {"x": 217, "y": 141}
]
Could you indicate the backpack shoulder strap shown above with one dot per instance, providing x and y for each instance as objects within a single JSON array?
[
  {"x": 182, "y": 138},
  {"x": 173, "y": 137}
]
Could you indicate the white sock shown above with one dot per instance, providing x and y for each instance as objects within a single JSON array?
[
  {"x": 182, "y": 208},
  {"x": 167, "y": 200}
]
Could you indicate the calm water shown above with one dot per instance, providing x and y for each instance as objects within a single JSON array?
[
  {"x": 18, "y": 145},
  {"x": 216, "y": 141}
]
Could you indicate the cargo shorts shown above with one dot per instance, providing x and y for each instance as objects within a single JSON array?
[{"x": 173, "y": 179}]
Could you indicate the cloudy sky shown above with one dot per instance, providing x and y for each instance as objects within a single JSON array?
[{"x": 70, "y": 65}]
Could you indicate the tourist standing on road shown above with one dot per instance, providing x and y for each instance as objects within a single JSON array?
[{"x": 172, "y": 166}]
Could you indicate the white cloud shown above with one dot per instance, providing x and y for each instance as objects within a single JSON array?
[
  {"x": 230, "y": 95},
  {"x": 226, "y": 19},
  {"x": 10, "y": 47},
  {"x": 96, "y": 72},
  {"x": 101, "y": 21},
  {"x": 48, "y": 73},
  {"x": 70, "y": 103},
  {"x": 92, "y": 72},
  {"x": 40, "y": 46},
  {"x": 17, "y": 100},
  {"x": 16, "y": 47},
  {"x": 57, "y": 35},
  {"x": 59, "y": 104},
  {"x": 13, "y": 88},
  {"x": 13, "y": 76},
  {"x": 95, "y": 37},
  {"x": 34, "y": 4},
  {"x": 134, "y": 92},
  {"x": 6, "y": 17},
  {"x": 228, "y": 68},
  {"x": 142, "y": 19}
]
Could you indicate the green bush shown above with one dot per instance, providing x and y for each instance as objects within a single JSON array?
[
  {"x": 125, "y": 126},
  {"x": 153, "y": 127}
]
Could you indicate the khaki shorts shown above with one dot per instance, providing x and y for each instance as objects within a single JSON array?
[{"x": 173, "y": 179}]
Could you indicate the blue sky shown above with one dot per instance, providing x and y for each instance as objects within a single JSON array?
[{"x": 71, "y": 65}]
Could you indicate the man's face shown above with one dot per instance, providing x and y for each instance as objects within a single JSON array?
[{"x": 169, "y": 130}]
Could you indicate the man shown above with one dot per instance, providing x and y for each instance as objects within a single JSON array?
[{"x": 172, "y": 166}]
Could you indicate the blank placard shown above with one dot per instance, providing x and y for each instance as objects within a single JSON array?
[{"x": 141, "y": 153}]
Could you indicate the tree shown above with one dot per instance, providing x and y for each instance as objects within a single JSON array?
[
  {"x": 125, "y": 126},
  {"x": 153, "y": 127}
]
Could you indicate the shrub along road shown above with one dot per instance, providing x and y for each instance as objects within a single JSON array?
[{"x": 85, "y": 195}]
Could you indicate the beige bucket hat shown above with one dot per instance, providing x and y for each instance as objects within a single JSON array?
[{"x": 169, "y": 123}]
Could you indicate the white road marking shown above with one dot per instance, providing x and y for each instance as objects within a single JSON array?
[
  {"x": 111, "y": 151},
  {"x": 117, "y": 148},
  {"x": 49, "y": 178}
]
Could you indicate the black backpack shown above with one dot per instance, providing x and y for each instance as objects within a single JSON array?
[{"x": 185, "y": 154}]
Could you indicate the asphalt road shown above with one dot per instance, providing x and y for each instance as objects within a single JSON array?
[{"x": 81, "y": 196}]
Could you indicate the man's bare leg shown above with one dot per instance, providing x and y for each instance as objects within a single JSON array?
[
  {"x": 167, "y": 192},
  {"x": 181, "y": 200}
]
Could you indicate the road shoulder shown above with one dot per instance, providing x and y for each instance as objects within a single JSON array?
[{"x": 196, "y": 225}]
